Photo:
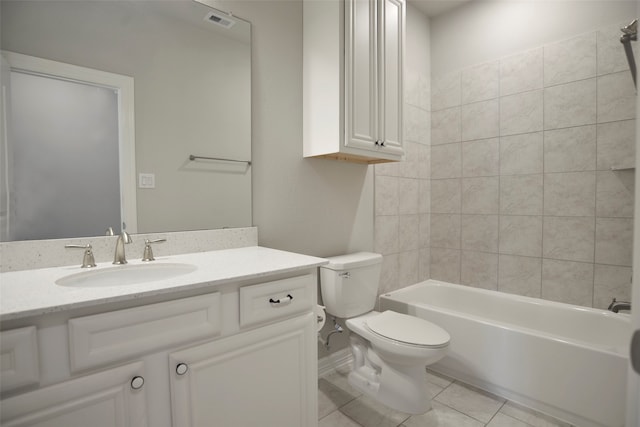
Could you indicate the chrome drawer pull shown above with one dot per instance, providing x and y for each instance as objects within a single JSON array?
[{"x": 284, "y": 300}]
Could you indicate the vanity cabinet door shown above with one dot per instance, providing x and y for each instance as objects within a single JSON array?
[
  {"x": 264, "y": 377},
  {"x": 111, "y": 398}
]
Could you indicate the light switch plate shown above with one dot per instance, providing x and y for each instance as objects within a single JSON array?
[{"x": 146, "y": 180}]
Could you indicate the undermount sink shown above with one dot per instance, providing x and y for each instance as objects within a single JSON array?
[{"x": 124, "y": 275}]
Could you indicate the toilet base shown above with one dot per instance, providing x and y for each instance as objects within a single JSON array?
[{"x": 403, "y": 388}]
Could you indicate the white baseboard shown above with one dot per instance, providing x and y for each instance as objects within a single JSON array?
[{"x": 334, "y": 361}]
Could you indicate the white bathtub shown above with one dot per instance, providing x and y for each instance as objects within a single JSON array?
[{"x": 567, "y": 361}]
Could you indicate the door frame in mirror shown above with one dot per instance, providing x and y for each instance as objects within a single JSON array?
[{"x": 124, "y": 87}]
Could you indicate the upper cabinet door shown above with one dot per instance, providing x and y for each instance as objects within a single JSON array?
[
  {"x": 361, "y": 52},
  {"x": 391, "y": 66}
]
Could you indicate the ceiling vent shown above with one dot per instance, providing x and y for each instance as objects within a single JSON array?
[{"x": 218, "y": 19}]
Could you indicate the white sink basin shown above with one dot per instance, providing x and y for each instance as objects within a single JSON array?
[{"x": 124, "y": 275}]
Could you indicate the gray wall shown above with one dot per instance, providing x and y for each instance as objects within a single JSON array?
[{"x": 313, "y": 206}]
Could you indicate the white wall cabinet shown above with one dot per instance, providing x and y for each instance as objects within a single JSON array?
[
  {"x": 353, "y": 79},
  {"x": 187, "y": 361}
]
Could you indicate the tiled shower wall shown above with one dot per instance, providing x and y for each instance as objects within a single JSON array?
[
  {"x": 402, "y": 196},
  {"x": 523, "y": 196}
]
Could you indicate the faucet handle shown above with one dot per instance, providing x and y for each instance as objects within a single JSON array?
[
  {"x": 88, "y": 260},
  {"x": 148, "y": 251}
]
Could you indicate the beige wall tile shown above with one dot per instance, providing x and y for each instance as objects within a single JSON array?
[
  {"x": 416, "y": 124},
  {"x": 521, "y": 235},
  {"x": 521, "y": 154},
  {"x": 614, "y": 241},
  {"x": 615, "y": 193},
  {"x": 610, "y": 282},
  {"x": 616, "y": 97},
  {"x": 445, "y": 91},
  {"x": 445, "y": 231},
  {"x": 570, "y": 150},
  {"x": 481, "y": 158},
  {"x": 389, "y": 275},
  {"x": 408, "y": 267},
  {"x": 480, "y": 195},
  {"x": 568, "y": 238},
  {"x": 567, "y": 281},
  {"x": 446, "y": 161},
  {"x": 386, "y": 234},
  {"x": 424, "y": 195},
  {"x": 570, "y": 194},
  {"x": 446, "y": 195},
  {"x": 521, "y": 72},
  {"x": 480, "y": 120},
  {"x": 408, "y": 238},
  {"x": 480, "y": 82},
  {"x": 520, "y": 275},
  {"x": 425, "y": 230},
  {"x": 521, "y": 195},
  {"x": 616, "y": 144},
  {"x": 570, "y": 104},
  {"x": 445, "y": 126},
  {"x": 479, "y": 232},
  {"x": 386, "y": 195},
  {"x": 479, "y": 269},
  {"x": 408, "y": 196},
  {"x": 521, "y": 113},
  {"x": 445, "y": 265},
  {"x": 424, "y": 264},
  {"x": 570, "y": 60}
]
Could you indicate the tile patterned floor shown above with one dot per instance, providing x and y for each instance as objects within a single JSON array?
[{"x": 454, "y": 405}]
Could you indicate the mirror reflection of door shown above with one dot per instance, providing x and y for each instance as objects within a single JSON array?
[
  {"x": 61, "y": 155},
  {"x": 65, "y": 170}
]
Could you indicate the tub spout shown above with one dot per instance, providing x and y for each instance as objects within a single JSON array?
[{"x": 616, "y": 306}]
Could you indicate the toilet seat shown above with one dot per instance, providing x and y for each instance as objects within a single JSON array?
[{"x": 407, "y": 330}]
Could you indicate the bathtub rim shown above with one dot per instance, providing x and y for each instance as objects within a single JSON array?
[{"x": 623, "y": 351}]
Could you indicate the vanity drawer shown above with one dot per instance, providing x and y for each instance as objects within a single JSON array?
[
  {"x": 119, "y": 335},
  {"x": 19, "y": 358},
  {"x": 277, "y": 299}
]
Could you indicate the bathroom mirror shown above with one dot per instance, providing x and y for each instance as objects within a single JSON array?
[{"x": 190, "y": 67}]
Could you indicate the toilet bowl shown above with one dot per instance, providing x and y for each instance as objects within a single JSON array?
[{"x": 390, "y": 350}]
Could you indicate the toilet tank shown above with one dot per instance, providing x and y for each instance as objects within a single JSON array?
[{"x": 349, "y": 283}]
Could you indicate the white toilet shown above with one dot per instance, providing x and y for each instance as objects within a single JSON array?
[{"x": 390, "y": 350}]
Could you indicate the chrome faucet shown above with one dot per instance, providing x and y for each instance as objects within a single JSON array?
[
  {"x": 616, "y": 306},
  {"x": 119, "y": 257}
]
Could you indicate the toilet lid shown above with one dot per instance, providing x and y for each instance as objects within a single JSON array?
[{"x": 408, "y": 329}]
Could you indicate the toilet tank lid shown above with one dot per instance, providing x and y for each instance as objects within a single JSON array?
[{"x": 358, "y": 259}]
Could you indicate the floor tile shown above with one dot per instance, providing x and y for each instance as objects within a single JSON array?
[
  {"x": 340, "y": 380},
  {"x": 337, "y": 419},
  {"x": 438, "y": 378},
  {"x": 502, "y": 420},
  {"x": 530, "y": 416},
  {"x": 442, "y": 416},
  {"x": 470, "y": 401},
  {"x": 369, "y": 413},
  {"x": 330, "y": 397}
]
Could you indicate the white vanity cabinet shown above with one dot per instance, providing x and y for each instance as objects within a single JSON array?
[
  {"x": 256, "y": 378},
  {"x": 111, "y": 398},
  {"x": 239, "y": 353},
  {"x": 353, "y": 63}
]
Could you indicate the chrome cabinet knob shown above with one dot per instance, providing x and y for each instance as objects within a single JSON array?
[{"x": 137, "y": 382}]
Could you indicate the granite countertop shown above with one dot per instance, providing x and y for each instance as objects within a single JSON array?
[{"x": 34, "y": 292}]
